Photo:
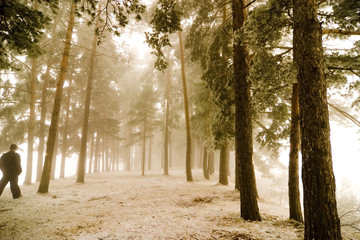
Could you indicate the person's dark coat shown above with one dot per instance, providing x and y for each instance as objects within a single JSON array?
[
  {"x": 10, "y": 164},
  {"x": 11, "y": 169}
]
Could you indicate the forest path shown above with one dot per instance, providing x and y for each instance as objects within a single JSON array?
[{"x": 125, "y": 205}]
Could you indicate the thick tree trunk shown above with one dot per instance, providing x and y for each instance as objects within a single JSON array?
[
  {"x": 189, "y": 177},
  {"x": 84, "y": 138},
  {"x": 64, "y": 146},
  {"x": 45, "y": 177},
  {"x": 205, "y": 164},
  {"x": 167, "y": 119},
  {"x": 243, "y": 125},
  {"x": 294, "y": 193},
  {"x": 320, "y": 210},
  {"x": 223, "y": 176}
]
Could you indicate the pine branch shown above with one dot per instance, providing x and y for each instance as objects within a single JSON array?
[
  {"x": 344, "y": 69},
  {"x": 340, "y": 31},
  {"x": 346, "y": 115}
]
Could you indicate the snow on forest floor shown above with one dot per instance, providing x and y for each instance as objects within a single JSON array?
[{"x": 125, "y": 205}]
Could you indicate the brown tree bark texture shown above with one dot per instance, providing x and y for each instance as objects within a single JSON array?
[
  {"x": 320, "y": 210},
  {"x": 243, "y": 126},
  {"x": 294, "y": 193}
]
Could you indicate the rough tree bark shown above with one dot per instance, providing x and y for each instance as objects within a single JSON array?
[
  {"x": 294, "y": 193},
  {"x": 45, "y": 176},
  {"x": 320, "y": 210},
  {"x": 243, "y": 126}
]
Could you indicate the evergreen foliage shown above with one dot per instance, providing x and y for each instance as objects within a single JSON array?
[
  {"x": 21, "y": 28},
  {"x": 165, "y": 21}
]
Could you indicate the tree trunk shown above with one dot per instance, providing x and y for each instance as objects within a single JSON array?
[
  {"x": 294, "y": 193},
  {"x": 223, "y": 176},
  {"x": 144, "y": 145},
  {"x": 84, "y": 138},
  {"x": 167, "y": 119},
  {"x": 53, "y": 164},
  {"x": 189, "y": 177},
  {"x": 243, "y": 126},
  {"x": 45, "y": 177},
  {"x": 64, "y": 146},
  {"x": 150, "y": 149},
  {"x": 320, "y": 210},
  {"x": 91, "y": 159},
  {"x": 44, "y": 96},
  {"x": 205, "y": 164},
  {"x": 31, "y": 121},
  {"x": 97, "y": 154},
  {"x": 211, "y": 164}
]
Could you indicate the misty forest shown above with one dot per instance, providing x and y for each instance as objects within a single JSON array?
[{"x": 181, "y": 119}]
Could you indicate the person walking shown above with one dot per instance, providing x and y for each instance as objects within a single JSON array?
[{"x": 11, "y": 169}]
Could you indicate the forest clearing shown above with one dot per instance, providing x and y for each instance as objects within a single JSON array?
[{"x": 125, "y": 205}]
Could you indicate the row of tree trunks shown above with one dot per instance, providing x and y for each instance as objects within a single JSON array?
[{"x": 320, "y": 209}]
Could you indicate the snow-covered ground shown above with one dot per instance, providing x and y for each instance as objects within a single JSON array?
[{"x": 125, "y": 205}]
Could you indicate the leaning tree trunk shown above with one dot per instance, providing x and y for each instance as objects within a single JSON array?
[
  {"x": 45, "y": 177},
  {"x": 223, "y": 173},
  {"x": 44, "y": 96},
  {"x": 243, "y": 125},
  {"x": 187, "y": 116},
  {"x": 84, "y": 138},
  {"x": 320, "y": 210},
  {"x": 294, "y": 193}
]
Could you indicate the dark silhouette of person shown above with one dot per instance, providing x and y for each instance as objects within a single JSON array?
[{"x": 11, "y": 168}]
